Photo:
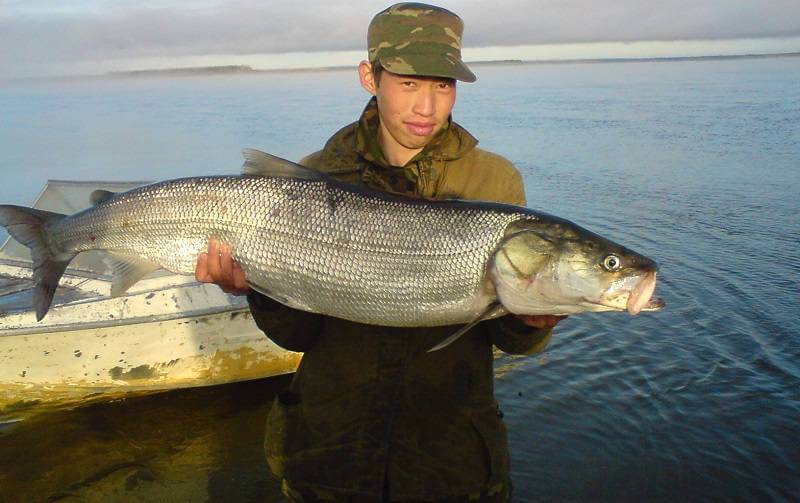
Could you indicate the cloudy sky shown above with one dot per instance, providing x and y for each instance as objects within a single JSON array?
[{"x": 53, "y": 37}]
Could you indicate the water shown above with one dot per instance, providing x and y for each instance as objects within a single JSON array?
[{"x": 696, "y": 164}]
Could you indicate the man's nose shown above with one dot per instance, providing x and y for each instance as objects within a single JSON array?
[{"x": 425, "y": 103}]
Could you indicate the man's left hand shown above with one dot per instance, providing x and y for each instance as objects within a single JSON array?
[{"x": 540, "y": 320}]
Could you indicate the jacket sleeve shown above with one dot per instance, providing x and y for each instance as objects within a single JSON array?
[
  {"x": 512, "y": 336},
  {"x": 289, "y": 328}
]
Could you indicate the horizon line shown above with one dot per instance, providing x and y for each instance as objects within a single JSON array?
[{"x": 249, "y": 69}]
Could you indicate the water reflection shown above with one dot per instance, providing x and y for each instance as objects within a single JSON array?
[{"x": 186, "y": 445}]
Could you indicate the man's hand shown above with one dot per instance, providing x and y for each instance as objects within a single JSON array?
[
  {"x": 540, "y": 320},
  {"x": 218, "y": 267}
]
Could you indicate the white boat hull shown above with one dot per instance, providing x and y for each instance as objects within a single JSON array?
[
  {"x": 180, "y": 352},
  {"x": 168, "y": 332}
]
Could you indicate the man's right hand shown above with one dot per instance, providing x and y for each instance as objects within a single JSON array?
[{"x": 217, "y": 266}]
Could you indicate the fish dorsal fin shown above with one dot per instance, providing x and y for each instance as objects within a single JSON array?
[
  {"x": 100, "y": 196},
  {"x": 494, "y": 309},
  {"x": 257, "y": 163},
  {"x": 127, "y": 270}
]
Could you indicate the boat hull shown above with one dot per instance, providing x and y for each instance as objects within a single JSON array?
[
  {"x": 169, "y": 332},
  {"x": 175, "y": 353}
]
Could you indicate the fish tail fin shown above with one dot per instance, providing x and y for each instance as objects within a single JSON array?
[{"x": 29, "y": 226}]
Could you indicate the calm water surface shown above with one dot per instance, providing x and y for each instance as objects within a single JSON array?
[{"x": 696, "y": 164}]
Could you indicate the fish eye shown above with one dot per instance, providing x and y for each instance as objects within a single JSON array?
[{"x": 612, "y": 263}]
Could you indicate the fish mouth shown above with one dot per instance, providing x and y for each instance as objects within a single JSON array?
[
  {"x": 641, "y": 297},
  {"x": 633, "y": 294}
]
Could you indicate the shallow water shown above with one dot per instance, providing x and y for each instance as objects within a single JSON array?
[
  {"x": 202, "y": 444},
  {"x": 695, "y": 164}
]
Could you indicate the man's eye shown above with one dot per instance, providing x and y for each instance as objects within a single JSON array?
[{"x": 408, "y": 83}]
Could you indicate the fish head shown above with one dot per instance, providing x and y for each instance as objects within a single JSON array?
[{"x": 552, "y": 266}]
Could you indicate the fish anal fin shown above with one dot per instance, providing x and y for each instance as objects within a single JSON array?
[
  {"x": 127, "y": 270},
  {"x": 257, "y": 163},
  {"x": 492, "y": 310}
]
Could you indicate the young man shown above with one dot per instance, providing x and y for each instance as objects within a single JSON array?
[{"x": 370, "y": 414}]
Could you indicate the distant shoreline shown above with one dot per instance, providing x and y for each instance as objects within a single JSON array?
[
  {"x": 249, "y": 70},
  {"x": 666, "y": 59},
  {"x": 246, "y": 69}
]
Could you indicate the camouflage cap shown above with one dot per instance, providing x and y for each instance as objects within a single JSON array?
[{"x": 418, "y": 39}]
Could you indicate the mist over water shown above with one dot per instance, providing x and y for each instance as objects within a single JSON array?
[{"x": 694, "y": 164}]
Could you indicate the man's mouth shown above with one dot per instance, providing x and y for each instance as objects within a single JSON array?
[{"x": 420, "y": 128}]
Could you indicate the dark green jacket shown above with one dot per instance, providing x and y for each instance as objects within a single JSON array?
[{"x": 369, "y": 407}]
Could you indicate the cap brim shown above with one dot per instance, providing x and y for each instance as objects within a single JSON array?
[{"x": 428, "y": 65}]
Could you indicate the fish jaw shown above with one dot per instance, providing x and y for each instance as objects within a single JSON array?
[
  {"x": 633, "y": 294},
  {"x": 641, "y": 293}
]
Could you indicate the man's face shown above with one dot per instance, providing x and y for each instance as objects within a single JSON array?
[{"x": 412, "y": 110}]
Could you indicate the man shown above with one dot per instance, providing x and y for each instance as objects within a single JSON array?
[{"x": 370, "y": 414}]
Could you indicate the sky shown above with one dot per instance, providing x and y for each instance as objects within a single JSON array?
[{"x": 64, "y": 37}]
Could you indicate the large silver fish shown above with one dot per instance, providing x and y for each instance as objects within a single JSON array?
[{"x": 320, "y": 245}]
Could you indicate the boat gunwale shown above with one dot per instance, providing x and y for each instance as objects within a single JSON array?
[
  {"x": 197, "y": 313},
  {"x": 78, "y": 303},
  {"x": 75, "y": 272}
]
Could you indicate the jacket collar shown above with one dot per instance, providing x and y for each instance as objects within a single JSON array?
[{"x": 452, "y": 142}]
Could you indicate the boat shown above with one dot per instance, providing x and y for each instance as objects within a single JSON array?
[{"x": 168, "y": 331}]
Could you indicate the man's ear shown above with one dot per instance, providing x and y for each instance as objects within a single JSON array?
[{"x": 366, "y": 77}]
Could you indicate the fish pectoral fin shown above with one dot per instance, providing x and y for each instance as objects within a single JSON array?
[
  {"x": 100, "y": 196},
  {"x": 127, "y": 270},
  {"x": 257, "y": 163},
  {"x": 490, "y": 312}
]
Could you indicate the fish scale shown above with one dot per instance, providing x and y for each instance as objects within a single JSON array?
[{"x": 315, "y": 245}]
